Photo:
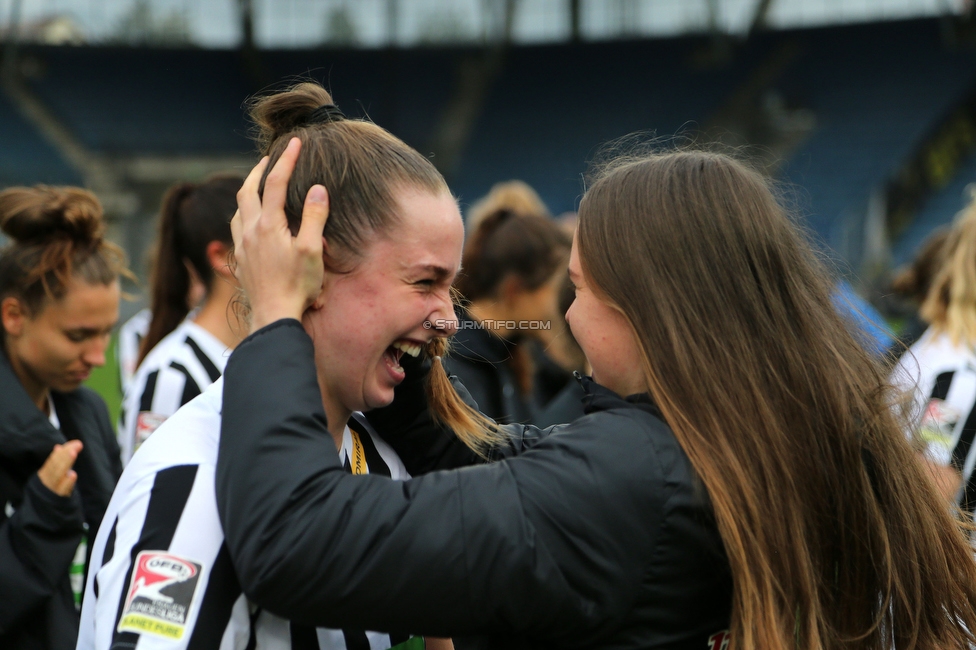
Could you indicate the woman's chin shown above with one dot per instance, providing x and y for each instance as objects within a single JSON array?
[
  {"x": 383, "y": 388},
  {"x": 378, "y": 399}
]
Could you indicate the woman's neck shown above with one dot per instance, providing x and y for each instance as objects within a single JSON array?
[
  {"x": 336, "y": 415},
  {"x": 214, "y": 316},
  {"x": 38, "y": 393}
]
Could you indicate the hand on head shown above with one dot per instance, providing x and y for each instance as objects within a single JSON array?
[
  {"x": 282, "y": 275},
  {"x": 56, "y": 473}
]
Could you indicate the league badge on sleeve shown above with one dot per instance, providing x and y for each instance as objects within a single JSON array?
[
  {"x": 146, "y": 424},
  {"x": 160, "y": 594}
]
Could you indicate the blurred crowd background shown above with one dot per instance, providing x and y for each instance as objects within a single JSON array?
[{"x": 865, "y": 109}]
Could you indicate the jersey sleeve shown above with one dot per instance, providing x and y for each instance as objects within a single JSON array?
[
  {"x": 159, "y": 576},
  {"x": 155, "y": 395}
]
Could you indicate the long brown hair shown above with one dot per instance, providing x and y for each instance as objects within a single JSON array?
[
  {"x": 192, "y": 215},
  {"x": 362, "y": 166},
  {"x": 57, "y": 234},
  {"x": 835, "y": 536}
]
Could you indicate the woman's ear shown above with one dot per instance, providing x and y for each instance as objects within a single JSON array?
[
  {"x": 13, "y": 316},
  {"x": 218, "y": 256},
  {"x": 327, "y": 278}
]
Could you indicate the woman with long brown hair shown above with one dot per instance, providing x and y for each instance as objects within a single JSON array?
[
  {"x": 740, "y": 479},
  {"x": 59, "y": 300}
]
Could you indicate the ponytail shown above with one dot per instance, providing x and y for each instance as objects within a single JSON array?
[
  {"x": 192, "y": 216},
  {"x": 470, "y": 426},
  {"x": 504, "y": 243},
  {"x": 170, "y": 278}
]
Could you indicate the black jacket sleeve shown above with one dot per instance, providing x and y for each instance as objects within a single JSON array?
[
  {"x": 37, "y": 545},
  {"x": 524, "y": 546},
  {"x": 109, "y": 439},
  {"x": 480, "y": 381}
]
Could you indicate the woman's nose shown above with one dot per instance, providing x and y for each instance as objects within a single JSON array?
[
  {"x": 94, "y": 355},
  {"x": 443, "y": 320},
  {"x": 447, "y": 327}
]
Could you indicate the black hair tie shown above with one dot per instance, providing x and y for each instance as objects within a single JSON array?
[{"x": 324, "y": 114}]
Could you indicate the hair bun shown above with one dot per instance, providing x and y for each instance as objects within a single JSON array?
[
  {"x": 41, "y": 214},
  {"x": 279, "y": 114}
]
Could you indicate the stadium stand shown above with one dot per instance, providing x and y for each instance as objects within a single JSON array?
[
  {"x": 128, "y": 100},
  {"x": 875, "y": 90},
  {"x": 25, "y": 157},
  {"x": 938, "y": 210},
  {"x": 872, "y": 90}
]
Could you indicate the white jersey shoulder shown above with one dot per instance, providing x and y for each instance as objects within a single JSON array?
[
  {"x": 175, "y": 371},
  {"x": 131, "y": 334},
  {"x": 159, "y": 563},
  {"x": 941, "y": 378}
]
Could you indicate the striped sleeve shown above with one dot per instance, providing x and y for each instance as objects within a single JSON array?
[
  {"x": 154, "y": 396},
  {"x": 130, "y": 338},
  {"x": 161, "y": 576}
]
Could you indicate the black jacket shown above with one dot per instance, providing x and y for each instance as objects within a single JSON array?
[
  {"x": 482, "y": 361},
  {"x": 39, "y": 530},
  {"x": 590, "y": 535}
]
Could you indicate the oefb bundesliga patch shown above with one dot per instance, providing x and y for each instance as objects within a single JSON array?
[{"x": 160, "y": 594}]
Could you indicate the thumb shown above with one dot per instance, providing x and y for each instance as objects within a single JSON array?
[
  {"x": 74, "y": 447},
  {"x": 315, "y": 213}
]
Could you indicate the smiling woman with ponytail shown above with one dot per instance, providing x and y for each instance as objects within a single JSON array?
[{"x": 394, "y": 242}]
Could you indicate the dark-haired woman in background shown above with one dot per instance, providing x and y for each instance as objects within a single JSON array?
[
  {"x": 514, "y": 265},
  {"x": 180, "y": 356},
  {"x": 59, "y": 299}
]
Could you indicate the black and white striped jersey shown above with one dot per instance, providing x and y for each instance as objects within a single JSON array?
[
  {"x": 160, "y": 574},
  {"x": 942, "y": 379},
  {"x": 178, "y": 369},
  {"x": 131, "y": 334}
]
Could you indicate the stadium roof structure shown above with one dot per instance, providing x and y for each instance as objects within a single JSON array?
[
  {"x": 842, "y": 112},
  {"x": 276, "y": 24}
]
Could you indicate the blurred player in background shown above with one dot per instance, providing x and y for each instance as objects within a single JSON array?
[
  {"x": 939, "y": 370},
  {"x": 180, "y": 356}
]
